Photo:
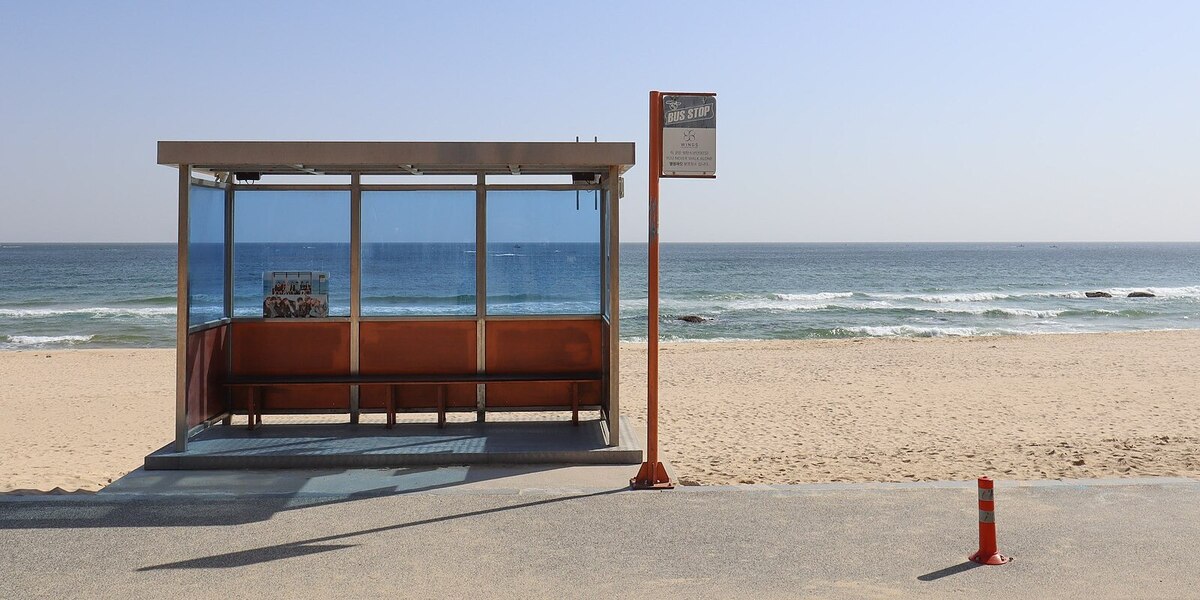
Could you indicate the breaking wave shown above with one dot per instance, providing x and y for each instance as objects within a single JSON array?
[
  {"x": 1192, "y": 292},
  {"x": 97, "y": 312},
  {"x": 913, "y": 331},
  {"x": 47, "y": 340},
  {"x": 817, "y": 296}
]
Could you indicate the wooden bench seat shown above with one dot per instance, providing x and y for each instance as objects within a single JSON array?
[{"x": 256, "y": 385}]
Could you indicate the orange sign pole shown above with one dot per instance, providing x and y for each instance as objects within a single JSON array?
[{"x": 653, "y": 475}]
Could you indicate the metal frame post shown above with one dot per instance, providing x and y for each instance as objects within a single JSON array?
[
  {"x": 605, "y": 318},
  {"x": 181, "y": 310},
  {"x": 653, "y": 475},
  {"x": 228, "y": 250},
  {"x": 481, "y": 292},
  {"x": 355, "y": 284},
  {"x": 614, "y": 306},
  {"x": 229, "y": 290}
]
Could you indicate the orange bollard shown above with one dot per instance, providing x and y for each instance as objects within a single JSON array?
[{"x": 988, "y": 553}]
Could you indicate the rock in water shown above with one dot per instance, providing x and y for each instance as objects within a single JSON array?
[
  {"x": 692, "y": 319},
  {"x": 1140, "y": 295},
  {"x": 1098, "y": 295}
]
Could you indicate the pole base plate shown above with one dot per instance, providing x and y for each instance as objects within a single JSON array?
[
  {"x": 652, "y": 476},
  {"x": 994, "y": 558}
]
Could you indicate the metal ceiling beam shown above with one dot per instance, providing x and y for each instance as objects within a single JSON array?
[{"x": 304, "y": 169}]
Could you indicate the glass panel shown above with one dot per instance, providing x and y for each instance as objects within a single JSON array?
[
  {"x": 543, "y": 252},
  {"x": 296, "y": 231},
  {"x": 206, "y": 254},
  {"x": 418, "y": 253}
]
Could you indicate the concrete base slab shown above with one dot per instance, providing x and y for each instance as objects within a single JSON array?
[{"x": 338, "y": 446}]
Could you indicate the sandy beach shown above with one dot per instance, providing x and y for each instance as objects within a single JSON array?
[
  {"x": 78, "y": 419},
  {"x": 1015, "y": 407}
]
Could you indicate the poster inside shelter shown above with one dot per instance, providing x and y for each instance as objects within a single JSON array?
[{"x": 295, "y": 294}]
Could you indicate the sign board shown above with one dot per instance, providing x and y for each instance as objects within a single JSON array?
[
  {"x": 689, "y": 135},
  {"x": 295, "y": 295}
]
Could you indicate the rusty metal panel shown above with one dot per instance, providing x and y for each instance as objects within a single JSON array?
[
  {"x": 293, "y": 348},
  {"x": 542, "y": 346},
  {"x": 512, "y": 395},
  {"x": 417, "y": 348},
  {"x": 206, "y": 371}
]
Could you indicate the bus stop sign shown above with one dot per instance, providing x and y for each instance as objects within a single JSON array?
[{"x": 689, "y": 135}]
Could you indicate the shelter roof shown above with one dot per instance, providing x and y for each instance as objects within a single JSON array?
[{"x": 397, "y": 158}]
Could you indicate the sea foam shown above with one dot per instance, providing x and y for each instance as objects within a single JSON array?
[
  {"x": 816, "y": 296},
  {"x": 97, "y": 311},
  {"x": 44, "y": 340},
  {"x": 911, "y": 331},
  {"x": 1172, "y": 293}
]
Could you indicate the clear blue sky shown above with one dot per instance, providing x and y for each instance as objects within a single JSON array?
[{"x": 839, "y": 121}]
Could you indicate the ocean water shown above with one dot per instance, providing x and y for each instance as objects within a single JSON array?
[{"x": 122, "y": 295}]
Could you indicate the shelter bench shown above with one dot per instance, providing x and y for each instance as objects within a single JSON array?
[{"x": 256, "y": 385}]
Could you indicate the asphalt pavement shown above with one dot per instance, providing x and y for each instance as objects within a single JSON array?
[{"x": 523, "y": 534}]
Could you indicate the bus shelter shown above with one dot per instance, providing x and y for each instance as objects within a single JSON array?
[{"x": 377, "y": 277}]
